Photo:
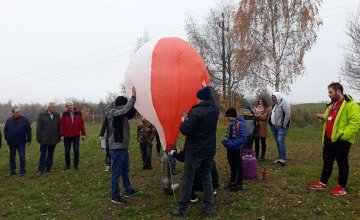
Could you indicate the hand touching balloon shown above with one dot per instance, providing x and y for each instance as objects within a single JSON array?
[
  {"x": 203, "y": 84},
  {"x": 133, "y": 92}
]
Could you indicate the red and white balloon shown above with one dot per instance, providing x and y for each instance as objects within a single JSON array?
[{"x": 166, "y": 73}]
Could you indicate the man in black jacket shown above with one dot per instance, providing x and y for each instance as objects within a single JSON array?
[
  {"x": 17, "y": 134},
  {"x": 47, "y": 135},
  {"x": 199, "y": 127}
]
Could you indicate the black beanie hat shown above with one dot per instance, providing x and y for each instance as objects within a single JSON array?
[
  {"x": 120, "y": 100},
  {"x": 204, "y": 93},
  {"x": 231, "y": 112}
]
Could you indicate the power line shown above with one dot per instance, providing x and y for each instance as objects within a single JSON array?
[
  {"x": 65, "y": 72},
  {"x": 117, "y": 46}
]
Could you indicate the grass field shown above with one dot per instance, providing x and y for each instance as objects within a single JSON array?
[{"x": 85, "y": 194}]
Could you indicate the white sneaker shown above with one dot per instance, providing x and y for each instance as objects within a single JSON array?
[
  {"x": 276, "y": 161},
  {"x": 215, "y": 193},
  {"x": 282, "y": 162},
  {"x": 175, "y": 186},
  {"x": 107, "y": 168}
]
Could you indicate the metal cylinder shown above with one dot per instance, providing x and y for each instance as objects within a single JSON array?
[{"x": 166, "y": 179}]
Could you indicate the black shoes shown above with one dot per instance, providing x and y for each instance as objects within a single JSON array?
[
  {"x": 131, "y": 193},
  {"x": 233, "y": 187},
  {"x": 177, "y": 213},
  {"x": 194, "y": 198},
  {"x": 118, "y": 200},
  {"x": 11, "y": 174},
  {"x": 236, "y": 188},
  {"x": 146, "y": 167}
]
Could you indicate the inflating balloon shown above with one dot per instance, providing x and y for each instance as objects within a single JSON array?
[{"x": 166, "y": 73}]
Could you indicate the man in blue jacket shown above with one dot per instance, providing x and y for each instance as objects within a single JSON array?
[
  {"x": 17, "y": 134},
  {"x": 236, "y": 136},
  {"x": 199, "y": 127}
]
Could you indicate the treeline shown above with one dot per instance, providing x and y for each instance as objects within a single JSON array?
[
  {"x": 302, "y": 115},
  {"x": 92, "y": 112}
]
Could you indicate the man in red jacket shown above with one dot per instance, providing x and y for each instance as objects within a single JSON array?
[{"x": 71, "y": 128}]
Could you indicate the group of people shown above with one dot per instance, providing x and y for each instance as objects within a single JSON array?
[
  {"x": 341, "y": 124},
  {"x": 51, "y": 128}
]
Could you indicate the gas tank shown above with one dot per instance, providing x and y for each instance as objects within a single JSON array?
[{"x": 249, "y": 164}]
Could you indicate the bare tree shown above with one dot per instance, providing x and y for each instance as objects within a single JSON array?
[
  {"x": 351, "y": 67},
  {"x": 274, "y": 37},
  {"x": 206, "y": 37},
  {"x": 111, "y": 96},
  {"x": 140, "y": 41}
]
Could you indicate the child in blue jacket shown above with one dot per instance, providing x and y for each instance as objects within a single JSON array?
[{"x": 236, "y": 136}]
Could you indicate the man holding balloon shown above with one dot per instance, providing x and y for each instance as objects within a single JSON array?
[
  {"x": 199, "y": 127},
  {"x": 118, "y": 116}
]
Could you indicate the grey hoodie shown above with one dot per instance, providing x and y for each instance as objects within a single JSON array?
[
  {"x": 119, "y": 138},
  {"x": 281, "y": 113}
]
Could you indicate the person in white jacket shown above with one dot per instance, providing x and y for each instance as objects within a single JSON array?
[{"x": 279, "y": 123}]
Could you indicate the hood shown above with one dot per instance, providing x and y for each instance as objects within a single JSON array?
[
  {"x": 278, "y": 97},
  {"x": 241, "y": 118}
]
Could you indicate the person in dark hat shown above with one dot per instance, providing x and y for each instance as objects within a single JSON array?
[
  {"x": 118, "y": 116},
  {"x": 235, "y": 138},
  {"x": 199, "y": 127}
]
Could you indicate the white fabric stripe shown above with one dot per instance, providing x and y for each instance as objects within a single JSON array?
[{"x": 138, "y": 75}]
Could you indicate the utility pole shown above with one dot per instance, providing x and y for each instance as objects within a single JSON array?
[{"x": 222, "y": 26}]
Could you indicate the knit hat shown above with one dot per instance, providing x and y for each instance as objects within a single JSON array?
[
  {"x": 204, "y": 93},
  {"x": 247, "y": 107},
  {"x": 120, "y": 100},
  {"x": 231, "y": 112}
]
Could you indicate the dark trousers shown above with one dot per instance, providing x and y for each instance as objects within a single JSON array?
[
  {"x": 263, "y": 147},
  {"x": 120, "y": 167},
  {"x": 75, "y": 141},
  {"x": 146, "y": 149},
  {"x": 107, "y": 154},
  {"x": 191, "y": 166},
  {"x": 338, "y": 151},
  {"x": 235, "y": 162},
  {"x": 46, "y": 157},
  {"x": 158, "y": 144},
  {"x": 21, "y": 151}
]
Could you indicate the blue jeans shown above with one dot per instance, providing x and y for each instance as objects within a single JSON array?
[
  {"x": 21, "y": 151},
  {"x": 46, "y": 157},
  {"x": 191, "y": 166},
  {"x": 279, "y": 136},
  {"x": 120, "y": 167},
  {"x": 75, "y": 141}
]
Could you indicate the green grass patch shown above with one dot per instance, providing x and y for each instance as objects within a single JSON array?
[{"x": 85, "y": 194}]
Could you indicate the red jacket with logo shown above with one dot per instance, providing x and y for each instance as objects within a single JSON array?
[{"x": 70, "y": 128}]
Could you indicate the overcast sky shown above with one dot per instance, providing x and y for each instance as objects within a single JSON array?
[{"x": 80, "y": 48}]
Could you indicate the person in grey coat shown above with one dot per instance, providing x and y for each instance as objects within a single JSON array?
[
  {"x": 47, "y": 135},
  {"x": 279, "y": 123},
  {"x": 118, "y": 116}
]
